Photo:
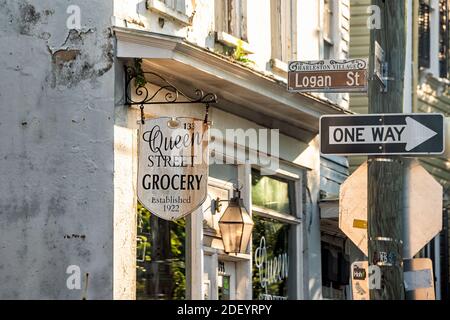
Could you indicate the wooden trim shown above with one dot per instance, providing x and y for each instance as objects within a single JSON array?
[
  {"x": 231, "y": 41},
  {"x": 235, "y": 257},
  {"x": 283, "y": 15},
  {"x": 194, "y": 255},
  {"x": 267, "y": 213},
  {"x": 161, "y": 8},
  {"x": 287, "y": 174},
  {"x": 244, "y": 286},
  {"x": 217, "y": 183},
  {"x": 279, "y": 65}
]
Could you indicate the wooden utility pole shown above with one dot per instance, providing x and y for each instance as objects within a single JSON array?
[{"x": 385, "y": 173}]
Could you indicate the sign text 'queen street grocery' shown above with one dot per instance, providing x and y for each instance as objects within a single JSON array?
[
  {"x": 173, "y": 166},
  {"x": 382, "y": 134}
]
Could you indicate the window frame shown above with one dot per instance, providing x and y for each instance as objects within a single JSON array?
[
  {"x": 170, "y": 11},
  {"x": 269, "y": 213},
  {"x": 283, "y": 35},
  {"x": 329, "y": 39},
  {"x": 295, "y": 240},
  {"x": 424, "y": 31},
  {"x": 444, "y": 38},
  {"x": 176, "y": 5},
  {"x": 234, "y": 22}
]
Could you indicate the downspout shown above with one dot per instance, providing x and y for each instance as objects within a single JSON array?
[
  {"x": 408, "y": 89},
  {"x": 437, "y": 265},
  {"x": 445, "y": 287},
  {"x": 415, "y": 54}
]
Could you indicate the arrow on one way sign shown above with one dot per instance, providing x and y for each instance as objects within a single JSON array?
[{"x": 382, "y": 134}]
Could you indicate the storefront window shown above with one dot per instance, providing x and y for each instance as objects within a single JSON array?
[
  {"x": 272, "y": 193},
  {"x": 271, "y": 260},
  {"x": 161, "y": 269}
]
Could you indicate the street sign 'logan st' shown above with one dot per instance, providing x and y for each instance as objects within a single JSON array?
[
  {"x": 382, "y": 134},
  {"x": 328, "y": 76}
]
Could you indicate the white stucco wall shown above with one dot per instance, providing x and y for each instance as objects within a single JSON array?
[{"x": 56, "y": 149}]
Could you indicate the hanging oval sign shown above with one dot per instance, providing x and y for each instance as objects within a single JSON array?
[{"x": 173, "y": 166}]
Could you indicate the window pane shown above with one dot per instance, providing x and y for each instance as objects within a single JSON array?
[
  {"x": 276, "y": 27},
  {"x": 444, "y": 38},
  {"x": 335, "y": 271},
  {"x": 327, "y": 50},
  {"x": 160, "y": 257},
  {"x": 180, "y": 6},
  {"x": 424, "y": 34},
  {"x": 235, "y": 14},
  {"x": 328, "y": 19},
  {"x": 270, "y": 259},
  {"x": 229, "y": 16},
  {"x": 272, "y": 193},
  {"x": 170, "y": 3}
]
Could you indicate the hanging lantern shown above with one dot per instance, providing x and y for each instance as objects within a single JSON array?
[{"x": 236, "y": 226}]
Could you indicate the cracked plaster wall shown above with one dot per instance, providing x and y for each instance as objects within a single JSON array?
[{"x": 56, "y": 149}]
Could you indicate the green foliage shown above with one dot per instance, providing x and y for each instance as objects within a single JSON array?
[
  {"x": 140, "y": 80},
  {"x": 143, "y": 221},
  {"x": 177, "y": 241},
  {"x": 239, "y": 53},
  {"x": 236, "y": 53},
  {"x": 175, "y": 260}
]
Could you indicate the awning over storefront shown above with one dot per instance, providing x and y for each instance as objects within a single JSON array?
[{"x": 251, "y": 94}]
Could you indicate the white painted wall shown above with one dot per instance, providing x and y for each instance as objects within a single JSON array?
[
  {"x": 56, "y": 150},
  {"x": 259, "y": 31},
  {"x": 309, "y": 30}
]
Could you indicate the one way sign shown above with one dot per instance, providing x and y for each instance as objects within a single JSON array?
[{"x": 382, "y": 134}]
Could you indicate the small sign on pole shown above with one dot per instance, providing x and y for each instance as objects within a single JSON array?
[
  {"x": 380, "y": 65},
  {"x": 359, "y": 271},
  {"x": 328, "y": 76},
  {"x": 364, "y": 278},
  {"x": 418, "y": 279}
]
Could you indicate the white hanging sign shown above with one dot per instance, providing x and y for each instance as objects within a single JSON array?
[{"x": 173, "y": 166}]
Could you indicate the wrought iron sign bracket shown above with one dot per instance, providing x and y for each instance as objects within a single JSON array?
[{"x": 164, "y": 93}]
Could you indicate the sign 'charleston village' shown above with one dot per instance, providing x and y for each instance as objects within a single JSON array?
[{"x": 173, "y": 166}]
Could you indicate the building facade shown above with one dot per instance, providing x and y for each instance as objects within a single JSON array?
[{"x": 71, "y": 226}]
